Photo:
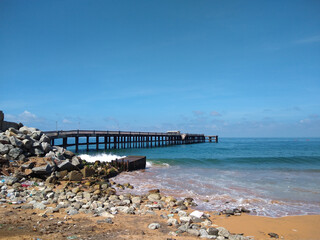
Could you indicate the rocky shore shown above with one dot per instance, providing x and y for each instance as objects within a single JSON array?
[
  {"x": 49, "y": 181},
  {"x": 36, "y": 176}
]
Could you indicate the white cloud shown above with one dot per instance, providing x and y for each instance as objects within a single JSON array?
[
  {"x": 24, "y": 117},
  {"x": 313, "y": 39},
  {"x": 198, "y": 113},
  {"x": 67, "y": 121},
  {"x": 28, "y": 116},
  {"x": 215, "y": 114}
]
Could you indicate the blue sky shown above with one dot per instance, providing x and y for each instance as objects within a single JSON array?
[{"x": 233, "y": 68}]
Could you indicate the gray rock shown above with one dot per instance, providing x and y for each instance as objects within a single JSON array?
[
  {"x": 185, "y": 219},
  {"x": 172, "y": 222},
  {"x": 43, "y": 170},
  {"x": 229, "y": 211},
  {"x": 27, "y": 206},
  {"x": 213, "y": 231},
  {"x": 73, "y": 211},
  {"x": 223, "y": 232},
  {"x": 68, "y": 154},
  {"x": 184, "y": 227},
  {"x": 24, "y": 130},
  {"x": 4, "y": 139},
  {"x": 107, "y": 220},
  {"x": 15, "y": 142},
  {"x": 39, "y": 205},
  {"x": 182, "y": 214},
  {"x": 37, "y": 151},
  {"x": 154, "y": 226},
  {"x": 75, "y": 161},
  {"x": 46, "y": 147},
  {"x": 154, "y": 197},
  {"x": 27, "y": 143},
  {"x": 204, "y": 234},
  {"x": 36, "y": 135},
  {"x": 66, "y": 165},
  {"x": 236, "y": 237},
  {"x": 4, "y": 149},
  {"x": 44, "y": 138},
  {"x": 193, "y": 232},
  {"x": 273, "y": 235},
  {"x": 136, "y": 200},
  {"x": 15, "y": 152}
]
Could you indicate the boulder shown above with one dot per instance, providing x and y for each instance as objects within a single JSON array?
[
  {"x": 75, "y": 176},
  {"x": 44, "y": 138},
  {"x": 4, "y": 149},
  {"x": 87, "y": 171},
  {"x": 36, "y": 135},
  {"x": 46, "y": 147},
  {"x": 4, "y": 139},
  {"x": 42, "y": 170},
  {"x": 68, "y": 154},
  {"x": 24, "y": 130},
  {"x": 37, "y": 151},
  {"x": 27, "y": 143},
  {"x": 15, "y": 152},
  {"x": 66, "y": 165},
  {"x": 15, "y": 142},
  {"x": 76, "y": 161}
]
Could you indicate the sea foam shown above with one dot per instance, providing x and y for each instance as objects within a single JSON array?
[{"x": 103, "y": 157}]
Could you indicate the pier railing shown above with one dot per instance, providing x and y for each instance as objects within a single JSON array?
[{"x": 121, "y": 139}]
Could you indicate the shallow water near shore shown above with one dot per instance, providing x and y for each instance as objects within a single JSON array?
[{"x": 271, "y": 177}]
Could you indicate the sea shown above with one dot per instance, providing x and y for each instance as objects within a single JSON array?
[{"x": 272, "y": 177}]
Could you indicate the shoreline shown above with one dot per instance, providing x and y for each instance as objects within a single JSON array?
[{"x": 49, "y": 193}]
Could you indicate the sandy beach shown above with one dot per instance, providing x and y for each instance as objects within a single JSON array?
[{"x": 22, "y": 224}]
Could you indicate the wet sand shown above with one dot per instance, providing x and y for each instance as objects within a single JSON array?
[{"x": 292, "y": 227}]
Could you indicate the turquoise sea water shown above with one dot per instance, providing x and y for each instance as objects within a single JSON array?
[{"x": 272, "y": 177}]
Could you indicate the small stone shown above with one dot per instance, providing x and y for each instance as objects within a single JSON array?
[
  {"x": 73, "y": 211},
  {"x": 107, "y": 220},
  {"x": 213, "y": 231},
  {"x": 194, "y": 232},
  {"x": 273, "y": 235},
  {"x": 184, "y": 227},
  {"x": 172, "y": 221},
  {"x": 185, "y": 219},
  {"x": 136, "y": 200},
  {"x": 154, "y": 226},
  {"x": 223, "y": 232}
]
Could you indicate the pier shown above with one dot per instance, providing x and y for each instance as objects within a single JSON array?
[{"x": 121, "y": 139}]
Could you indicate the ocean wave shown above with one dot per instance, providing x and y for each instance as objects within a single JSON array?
[
  {"x": 156, "y": 164},
  {"x": 103, "y": 157}
]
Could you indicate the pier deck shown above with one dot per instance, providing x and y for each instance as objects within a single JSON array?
[{"x": 121, "y": 139}]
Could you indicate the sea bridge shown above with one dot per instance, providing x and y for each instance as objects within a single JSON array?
[{"x": 123, "y": 139}]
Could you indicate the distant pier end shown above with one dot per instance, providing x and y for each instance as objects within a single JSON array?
[{"x": 213, "y": 138}]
